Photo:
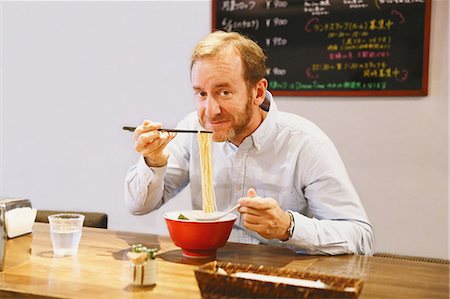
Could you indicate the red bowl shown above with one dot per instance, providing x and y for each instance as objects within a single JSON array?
[{"x": 198, "y": 239}]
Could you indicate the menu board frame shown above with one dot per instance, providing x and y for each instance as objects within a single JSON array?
[{"x": 421, "y": 90}]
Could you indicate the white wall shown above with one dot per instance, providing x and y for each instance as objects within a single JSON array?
[{"x": 74, "y": 72}]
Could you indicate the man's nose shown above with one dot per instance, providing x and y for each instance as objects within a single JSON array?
[{"x": 212, "y": 107}]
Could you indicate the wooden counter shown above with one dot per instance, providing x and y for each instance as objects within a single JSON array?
[{"x": 101, "y": 269}]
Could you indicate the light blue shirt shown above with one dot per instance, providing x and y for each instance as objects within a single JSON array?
[{"x": 287, "y": 158}]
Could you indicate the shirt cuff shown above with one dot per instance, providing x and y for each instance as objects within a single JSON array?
[
  {"x": 148, "y": 173},
  {"x": 305, "y": 231}
]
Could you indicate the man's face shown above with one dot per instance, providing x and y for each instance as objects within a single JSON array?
[{"x": 224, "y": 103}]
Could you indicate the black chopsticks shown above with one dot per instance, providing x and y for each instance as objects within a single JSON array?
[{"x": 131, "y": 129}]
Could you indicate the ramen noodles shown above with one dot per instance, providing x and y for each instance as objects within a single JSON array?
[{"x": 208, "y": 195}]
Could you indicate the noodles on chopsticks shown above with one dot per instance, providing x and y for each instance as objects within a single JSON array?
[{"x": 208, "y": 195}]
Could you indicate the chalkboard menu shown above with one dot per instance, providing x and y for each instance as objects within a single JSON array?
[{"x": 336, "y": 47}]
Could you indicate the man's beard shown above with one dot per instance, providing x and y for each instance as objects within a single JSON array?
[{"x": 241, "y": 121}]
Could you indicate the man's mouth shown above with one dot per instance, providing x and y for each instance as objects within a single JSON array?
[{"x": 218, "y": 123}]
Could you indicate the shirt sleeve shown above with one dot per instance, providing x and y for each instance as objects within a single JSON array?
[
  {"x": 147, "y": 188},
  {"x": 330, "y": 237},
  {"x": 339, "y": 224},
  {"x": 144, "y": 187}
]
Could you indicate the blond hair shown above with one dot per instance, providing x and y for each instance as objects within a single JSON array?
[{"x": 252, "y": 56}]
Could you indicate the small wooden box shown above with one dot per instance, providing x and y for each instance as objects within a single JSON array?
[{"x": 216, "y": 285}]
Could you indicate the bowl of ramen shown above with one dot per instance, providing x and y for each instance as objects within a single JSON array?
[{"x": 198, "y": 239}]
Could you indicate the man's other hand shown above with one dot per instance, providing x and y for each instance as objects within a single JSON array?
[{"x": 264, "y": 216}]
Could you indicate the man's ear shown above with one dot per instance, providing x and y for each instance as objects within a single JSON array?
[{"x": 260, "y": 90}]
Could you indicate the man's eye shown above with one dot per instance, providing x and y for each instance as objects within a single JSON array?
[
  {"x": 200, "y": 94},
  {"x": 224, "y": 93}
]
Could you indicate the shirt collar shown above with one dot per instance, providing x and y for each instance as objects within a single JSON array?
[{"x": 266, "y": 129}]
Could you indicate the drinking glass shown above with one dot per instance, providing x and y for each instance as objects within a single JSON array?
[{"x": 65, "y": 231}]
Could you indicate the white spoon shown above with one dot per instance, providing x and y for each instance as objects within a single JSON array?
[{"x": 214, "y": 215}]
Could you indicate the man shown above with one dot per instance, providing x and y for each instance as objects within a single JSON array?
[{"x": 284, "y": 171}]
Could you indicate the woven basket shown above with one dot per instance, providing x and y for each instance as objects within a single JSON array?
[{"x": 215, "y": 285}]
